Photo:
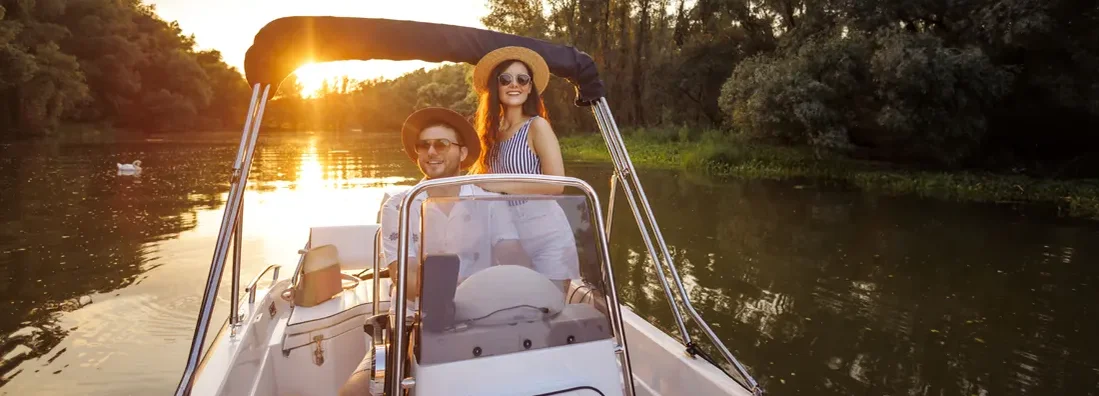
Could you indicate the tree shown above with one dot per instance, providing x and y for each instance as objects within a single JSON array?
[
  {"x": 108, "y": 61},
  {"x": 40, "y": 82}
]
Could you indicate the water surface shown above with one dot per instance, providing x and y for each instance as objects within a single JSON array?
[{"x": 820, "y": 291}]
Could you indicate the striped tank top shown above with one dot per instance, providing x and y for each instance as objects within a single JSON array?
[{"x": 514, "y": 154}]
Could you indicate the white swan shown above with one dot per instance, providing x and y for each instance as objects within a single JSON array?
[{"x": 130, "y": 168}]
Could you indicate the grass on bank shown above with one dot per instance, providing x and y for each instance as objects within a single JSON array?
[{"x": 725, "y": 156}]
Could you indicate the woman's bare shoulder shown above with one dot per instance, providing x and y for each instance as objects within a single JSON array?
[{"x": 540, "y": 126}]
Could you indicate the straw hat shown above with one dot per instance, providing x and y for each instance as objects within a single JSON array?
[
  {"x": 423, "y": 118},
  {"x": 538, "y": 68}
]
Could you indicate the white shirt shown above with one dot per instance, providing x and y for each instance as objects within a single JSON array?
[{"x": 469, "y": 229}]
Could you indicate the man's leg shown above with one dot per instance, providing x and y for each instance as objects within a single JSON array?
[{"x": 359, "y": 383}]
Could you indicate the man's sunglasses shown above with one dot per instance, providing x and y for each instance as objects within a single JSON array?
[
  {"x": 440, "y": 145},
  {"x": 505, "y": 79}
]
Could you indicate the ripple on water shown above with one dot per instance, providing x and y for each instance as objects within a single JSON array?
[{"x": 113, "y": 337}]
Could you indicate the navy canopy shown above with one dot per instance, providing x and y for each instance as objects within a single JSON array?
[{"x": 288, "y": 43}]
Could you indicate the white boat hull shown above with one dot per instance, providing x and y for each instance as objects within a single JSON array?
[{"x": 253, "y": 362}]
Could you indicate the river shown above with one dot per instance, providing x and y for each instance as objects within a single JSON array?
[{"x": 817, "y": 289}]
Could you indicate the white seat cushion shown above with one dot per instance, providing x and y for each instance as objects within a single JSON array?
[{"x": 506, "y": 294}]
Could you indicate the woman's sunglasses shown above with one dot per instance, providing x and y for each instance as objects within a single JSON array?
[
  {"x": 505, "y": 79},
  {"x": 440, "y": 145}
]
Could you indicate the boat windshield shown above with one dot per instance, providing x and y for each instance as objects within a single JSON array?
[{"x": 503, "y": 274}]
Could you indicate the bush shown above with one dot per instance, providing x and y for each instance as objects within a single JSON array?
[
  {"x": 932, "y": 99},
  {"x": 900, "y": 94},
  {"x": 800, "y": 95}
]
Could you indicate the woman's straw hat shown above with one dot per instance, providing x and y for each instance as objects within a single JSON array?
[{"x": 539, "y": 70}]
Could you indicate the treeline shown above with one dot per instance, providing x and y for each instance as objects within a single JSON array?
[
  {"x": 1004, "y": 84},
  {"x": 1000, "y": 84},
  {"x": 983, "y": 83},
  {"x": 108, "y": 62},
  {"x": 375, "y": 105}
]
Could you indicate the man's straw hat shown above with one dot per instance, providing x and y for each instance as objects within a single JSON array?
[{"x": 423, "y": 118}]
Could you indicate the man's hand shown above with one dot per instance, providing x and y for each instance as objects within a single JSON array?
[{"x": 412, "y": 280}]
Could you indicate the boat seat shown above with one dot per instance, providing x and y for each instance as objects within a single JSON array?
[
  {"x": 348, "y": 309},
  {"x": 356, "y": 244},
  {"x": 321, "y": 345}
]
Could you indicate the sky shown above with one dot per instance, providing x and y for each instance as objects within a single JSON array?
[{"x": 230, "y": 25}]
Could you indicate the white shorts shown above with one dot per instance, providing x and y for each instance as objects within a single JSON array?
[{"x": 547, "y": 237}]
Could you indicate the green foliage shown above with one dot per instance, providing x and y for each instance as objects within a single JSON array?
[
  {"x": 964, "y": 84},
  {"x": 933, "y": 99},
  {"x": 108, "y": 62},
  {"x": 662, "y": 62},
  {"x": 742, "y": 157},
  {"x": 228, "y": 100},
  {"x": 998, "y": 84},
  {"x": 902, "y": 93},
  {"x": 522, "y": 17},
  {"x": 801, "y": 94}
]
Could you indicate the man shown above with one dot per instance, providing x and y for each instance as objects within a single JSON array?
[{"x": 481, "y": 233}]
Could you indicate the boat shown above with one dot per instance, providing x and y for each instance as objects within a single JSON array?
[{"x": 582, "y": 341}]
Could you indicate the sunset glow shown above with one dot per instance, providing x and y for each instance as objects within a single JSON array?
[
  {"x": 230, "y": 27},
  {"x": 313, "y": 75}
]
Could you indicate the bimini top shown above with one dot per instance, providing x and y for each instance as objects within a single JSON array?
[{"x": 288, "y": 43}]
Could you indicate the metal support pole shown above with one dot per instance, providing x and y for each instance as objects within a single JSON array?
[
  {"x": 625, "y": 166},
  {"x": 225, "y": 233},
  {"x": 377, "y": 280},
  {"x": 234, "y": 308},
  {"x": 610, "y": 203},
  {"x": 234, "y": 315},
  {"x": 609, "y": 134},
  {"x": 612, "y": 298}
]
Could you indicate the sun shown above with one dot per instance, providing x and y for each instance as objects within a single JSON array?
[{"x": 312, "y": 75}]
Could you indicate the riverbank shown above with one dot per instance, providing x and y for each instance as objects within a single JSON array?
[{"x": 747, "y": 160}]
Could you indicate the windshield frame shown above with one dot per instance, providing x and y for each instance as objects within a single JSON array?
[{"x": 400, "y": 327}]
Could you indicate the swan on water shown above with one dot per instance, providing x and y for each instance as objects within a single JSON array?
[{"x": 128, "y": 168}]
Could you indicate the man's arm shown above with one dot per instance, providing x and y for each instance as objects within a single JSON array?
[
  {"x": 412, "y": 279},
  {"x": 390, "y": 237}
]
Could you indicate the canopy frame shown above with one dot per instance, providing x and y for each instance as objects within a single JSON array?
[{"x": 624, "y": 174}]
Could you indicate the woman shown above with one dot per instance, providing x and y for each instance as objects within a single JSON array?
[
  {"x": 517, "y": 138},
  {"x": 511, "y": 119}
]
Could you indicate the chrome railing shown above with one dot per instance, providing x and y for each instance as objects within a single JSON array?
[
  {"x": 251, "y": 288},
  {"x": 400, "y": 349},
  {"x": 635, "y": 195},
  {"x": 229, "y": 232}
]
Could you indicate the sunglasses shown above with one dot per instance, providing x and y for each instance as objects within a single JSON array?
[
  {"x": 505, "y": 79},
  {"x": 440, "y": 145}
]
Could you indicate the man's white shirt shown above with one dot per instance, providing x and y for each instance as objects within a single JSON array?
[{"x": 470, "y": 229}]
